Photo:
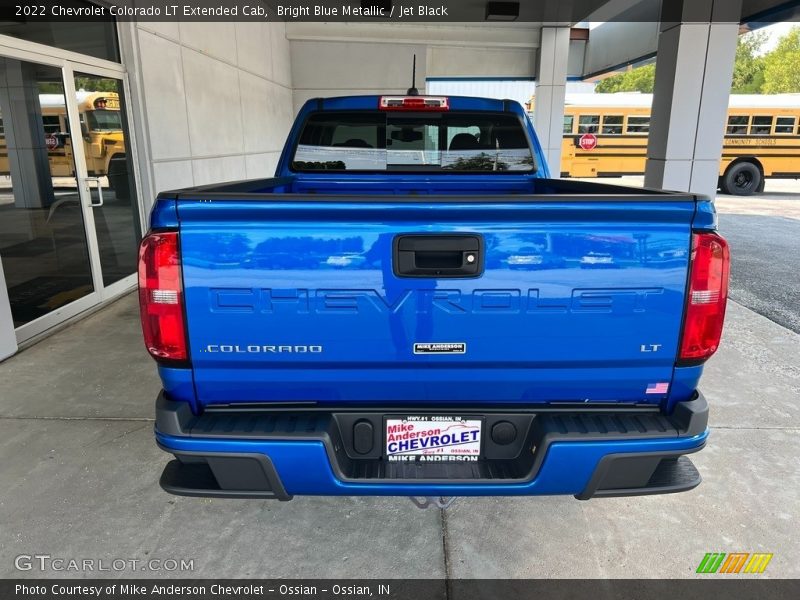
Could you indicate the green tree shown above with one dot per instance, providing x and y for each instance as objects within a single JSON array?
[
  {"x": 51, "y": 87},
  {"x": 782, "y": 65},
  {"x": 95, "y": 84},
  {"x": 90, "y": 84},
  {"x": 640, "y": 79},
  {"x": 748, "y": 71},
  {"x": 481, "y": 162}
]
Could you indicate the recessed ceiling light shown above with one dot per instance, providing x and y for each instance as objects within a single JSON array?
[{"x": 502, "y": 11}]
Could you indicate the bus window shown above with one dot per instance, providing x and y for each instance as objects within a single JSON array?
[
  {"x": 612, "y": 125},
  {"x": 737, "y": 125},
  {"x": 104, "y": 120},
  {"x": 51, "y": 124},
  {"x": 638, "y": 125},
  {"x": 753, "y": 127},
  {"x": 589, "y": 124},
  {"x": 761, "y": 126},
  {"x": 785, "y": 125},
  {"x": 569, "y": 121}
]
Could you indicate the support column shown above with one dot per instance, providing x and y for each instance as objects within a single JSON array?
[
  {"x": 24, "y": 134},
  {"x": 8, "y": 339},
  {"x": 694, "y": 69},
  {"x": 551, "y": 90}
]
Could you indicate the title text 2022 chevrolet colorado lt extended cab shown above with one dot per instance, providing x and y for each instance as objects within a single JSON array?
[{"x": 413, "y": 307}]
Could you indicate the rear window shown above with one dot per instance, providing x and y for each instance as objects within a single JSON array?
[{"x": 391, "y": 141}]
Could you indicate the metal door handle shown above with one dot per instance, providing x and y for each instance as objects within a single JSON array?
[
  {"x": 99, "y": 191},
  {"x": 438, "y": 256}
]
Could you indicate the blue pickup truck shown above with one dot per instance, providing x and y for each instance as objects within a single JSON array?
[{"x": 413, "y": 307}]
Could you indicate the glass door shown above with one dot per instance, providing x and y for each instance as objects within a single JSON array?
[
  {"x": 69, "y": 211},
  {"x": 44, "y": 246},
  {"x": 103, "y": 153}
]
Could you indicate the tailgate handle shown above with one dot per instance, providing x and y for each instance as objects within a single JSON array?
[{"x": 438, "y": 255}]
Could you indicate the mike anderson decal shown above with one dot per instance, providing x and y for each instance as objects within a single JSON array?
[
  {"x": 440, "y": 348},
  {"x": 432, "y": 439}
]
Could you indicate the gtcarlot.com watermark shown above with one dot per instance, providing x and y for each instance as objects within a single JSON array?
[{"x": 58, "y": 564}]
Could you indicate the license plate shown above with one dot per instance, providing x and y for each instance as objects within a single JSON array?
[{"x": 433, "y": 438}]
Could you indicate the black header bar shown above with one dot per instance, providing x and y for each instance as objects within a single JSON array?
[{"x": 551, "y": 12}]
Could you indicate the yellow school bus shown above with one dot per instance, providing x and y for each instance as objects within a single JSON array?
[
  {"x": 101, "y": 130},
  {"x": 761, "y": 138}
]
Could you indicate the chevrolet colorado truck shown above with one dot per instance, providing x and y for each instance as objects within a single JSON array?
[{"x": 412, "y": 306}]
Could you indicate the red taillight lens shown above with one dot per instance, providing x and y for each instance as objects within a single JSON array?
[
  {"x": 708, "y": 295},
  {"x": 415, "y": 103},
  {"x": 161, "y": 296}
]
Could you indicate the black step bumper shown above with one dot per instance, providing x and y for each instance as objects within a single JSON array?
[{"x": 212, "y": 457}]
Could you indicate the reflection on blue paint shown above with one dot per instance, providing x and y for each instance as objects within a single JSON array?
[{"x": 569, "y": 295}]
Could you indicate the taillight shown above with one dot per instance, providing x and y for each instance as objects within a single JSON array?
[
  {"x": 415, "y": 103},
  {"x": 161, "y": 297},
  {"x": 708, "y": 295}
]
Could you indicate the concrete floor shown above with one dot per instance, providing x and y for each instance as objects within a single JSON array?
[
  {"x": 80, "y": 470},
  {"x": 760, "y": 278},
  {"x": 764, "y": 234}
]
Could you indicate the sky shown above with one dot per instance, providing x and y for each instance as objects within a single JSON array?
[{"x": 776, "y": 31}]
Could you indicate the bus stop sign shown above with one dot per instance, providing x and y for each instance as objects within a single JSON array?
[{"x": 588, "y": 141}]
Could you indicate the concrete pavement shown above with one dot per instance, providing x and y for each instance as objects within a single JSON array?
[
  {"x": 748, "y": 500},
  {"x": 765, "y": 255},
  {"x": 781, "y": 198},
  {"x": 764, "y": 233},
  {"x": 80, "y": 480}
]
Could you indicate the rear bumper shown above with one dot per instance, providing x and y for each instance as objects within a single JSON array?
[{"x": 277, "y": 454}]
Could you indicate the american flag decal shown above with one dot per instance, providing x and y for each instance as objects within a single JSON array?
[{"x": 657, "y": 388}]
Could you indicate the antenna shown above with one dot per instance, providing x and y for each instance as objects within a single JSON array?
[{"x": 413, "y": 91}]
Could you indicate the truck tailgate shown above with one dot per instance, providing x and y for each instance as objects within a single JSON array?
[{"x": 574, "y": 300}]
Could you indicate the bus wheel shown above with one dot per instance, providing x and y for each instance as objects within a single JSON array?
[{"x": 742, "y": 179}]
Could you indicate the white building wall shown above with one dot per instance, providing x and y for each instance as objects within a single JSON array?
[
  {"x": 465, "y": 61},
  {"x": 519, "y": 90},
  {"x": 318, "y": 67},
  {"x": 8, "y": 339},
  {"x": 215, "y": 100},
  {"x": 336, "y": 59},
  {"x": 332, "y": 68}
]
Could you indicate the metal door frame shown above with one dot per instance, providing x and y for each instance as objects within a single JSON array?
[{"x": 69, "y": 63}]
